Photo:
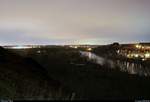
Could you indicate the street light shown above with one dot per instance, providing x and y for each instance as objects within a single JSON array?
[
  {"x": 136, "y": 55},
  {"x": 75, "y": 47},
  {"x": 138, "y": 46},
  {"x": 89, "y": 49},
  {"x": 147, "y": 55}
]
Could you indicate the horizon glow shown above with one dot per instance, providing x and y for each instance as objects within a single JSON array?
[{"x": 62, "y": 22}]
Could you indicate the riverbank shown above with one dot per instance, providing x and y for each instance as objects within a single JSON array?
[
  {"x": 110, "y": 52},
  {"x": 88, "y": 80},
  {"x": 85, "y": 79},
  {"x": 123, "y": 66}
]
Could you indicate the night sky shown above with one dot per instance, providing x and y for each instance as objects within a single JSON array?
[{"x": 74, "y": 21}]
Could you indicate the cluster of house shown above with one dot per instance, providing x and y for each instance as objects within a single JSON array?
[{"x": 141, "y": 51}]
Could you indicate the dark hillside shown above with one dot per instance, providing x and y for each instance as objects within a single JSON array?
[
  {"x": 86, "y": 79},
  {"x": 24, "y": 78}
]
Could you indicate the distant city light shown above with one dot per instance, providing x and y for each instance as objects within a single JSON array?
[
  {"x": 147, "y": 55},
  {"x": 136, "y": 55},
  {"x": 89, "y": 49},
  {"x": 138, "y": 46},
  {"x": 118, "y": 51},
  {"x": 39, "y": 51},
  {"x": 20, "y": 47},
  {"x": 75, "y": 47},
  {"x": 142, "y": 47},
  {"x": 129, "y": 55},
  {"x": 70, "y": 46}
]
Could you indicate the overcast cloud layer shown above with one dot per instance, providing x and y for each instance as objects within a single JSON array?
[{"x": 74, "y": 21}]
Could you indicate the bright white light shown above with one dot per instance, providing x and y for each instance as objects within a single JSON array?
[
  {"x": 136, "y": 55},
  {"x": 89, "y": 49},
  {"x": 118, "y": 51},
  {"x": 147, "y": 55},
  {"x": 75, "y": 47},
  {"x": 20, "y": 47},
  {"x": 138, "y": 46},
  {"x": 129, "y": 56}
]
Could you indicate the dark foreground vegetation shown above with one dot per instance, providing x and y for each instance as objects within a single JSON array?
[
  {"x": 22, "y": 78},
  {"x": 62, "y": 73}
]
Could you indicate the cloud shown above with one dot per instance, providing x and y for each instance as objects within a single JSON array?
[{"x": 69, "y": 21}]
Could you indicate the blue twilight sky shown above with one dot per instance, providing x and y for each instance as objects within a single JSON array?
[{"x": 74, "y": 21}]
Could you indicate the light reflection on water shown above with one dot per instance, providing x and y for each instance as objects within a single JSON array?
[
  {"x": 131, "y": 68},
  {"x": 92, "y": 56}
]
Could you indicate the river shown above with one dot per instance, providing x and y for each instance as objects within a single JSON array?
[{"x": 131, "y": 68}]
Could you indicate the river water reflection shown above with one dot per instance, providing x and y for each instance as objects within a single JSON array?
[{"x": 131, "y": 68}]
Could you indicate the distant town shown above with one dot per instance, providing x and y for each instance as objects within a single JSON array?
[
  {"x": 131, "y": 51},
  {"x": 75, "y": 71}
]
